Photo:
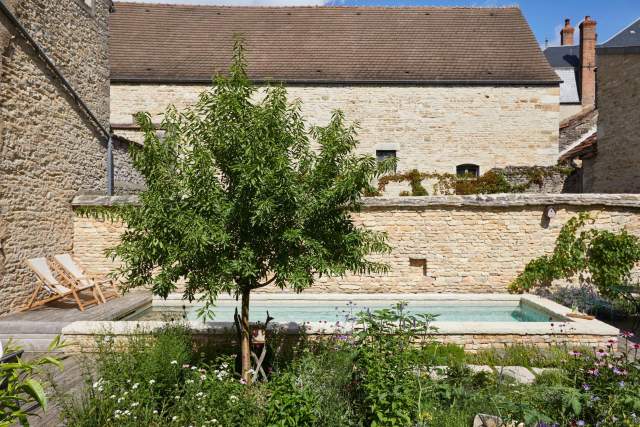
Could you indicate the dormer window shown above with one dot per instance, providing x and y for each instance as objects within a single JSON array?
[{"x": 468, "y": 170}]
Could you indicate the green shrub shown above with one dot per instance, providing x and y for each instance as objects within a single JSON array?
[
  {"x": 154, "y": 382},
  {"x": 19, "y": 387},
  {"x": 316, "y": 390},
  {"x": 386, "y": 361},
  {"x": 599, "y": 257}
]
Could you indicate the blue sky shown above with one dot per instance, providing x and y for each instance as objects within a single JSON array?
[{"x": 545, "y": 16}]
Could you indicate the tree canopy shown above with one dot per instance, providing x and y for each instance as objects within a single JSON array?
[{"x": 237, "y": 198}]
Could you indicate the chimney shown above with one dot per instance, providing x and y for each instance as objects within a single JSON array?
[
  {"x": 588, "y": 61},
  {"x": 566, "y": 34}
]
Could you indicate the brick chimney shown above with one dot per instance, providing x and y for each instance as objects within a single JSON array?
[
  {"x": 588, "y": 61},
  {"x": 566, "y": 34}
]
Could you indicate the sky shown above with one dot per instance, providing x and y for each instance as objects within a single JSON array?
[{"x": 546, "y": 17}]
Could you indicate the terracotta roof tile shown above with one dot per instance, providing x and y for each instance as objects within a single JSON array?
[{"x": 154, "y": 42}]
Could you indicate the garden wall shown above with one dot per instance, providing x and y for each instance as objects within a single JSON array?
[{"x": 440, "y": 244}]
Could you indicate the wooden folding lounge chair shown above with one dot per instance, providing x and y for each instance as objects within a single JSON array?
[
  {"x": 75, "y": 275},
  {"x": 47, "y": 283}
]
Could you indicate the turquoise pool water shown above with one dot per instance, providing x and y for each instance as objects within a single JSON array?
[{"x": 284, "y": 312}]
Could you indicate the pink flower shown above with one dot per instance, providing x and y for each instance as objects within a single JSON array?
[
  {"x": 595, "y": 372},
  {"x": 575, "y": 353},
  {"x": 627, "y": 334}
]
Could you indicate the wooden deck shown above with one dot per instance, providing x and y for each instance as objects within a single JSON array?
[{"x": 33, "y": 330}]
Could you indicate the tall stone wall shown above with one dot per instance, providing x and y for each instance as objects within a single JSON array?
[
  {"x": 433, "y": 129},
  {"x": 440, "y": 244},
  {"x": 615, "y": 169},
  {"x": 49, "y": 150}
]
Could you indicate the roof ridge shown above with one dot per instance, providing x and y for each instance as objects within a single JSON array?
[{"x": 186, "y": 5}]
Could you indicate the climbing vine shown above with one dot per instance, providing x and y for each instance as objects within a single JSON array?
[
  {"x": 599, "y": 257},
  {"x": 491, "y": 182}
]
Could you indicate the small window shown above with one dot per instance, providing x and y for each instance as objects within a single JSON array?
[
  {"x": 382, "y": 155},
  {"x": 468, "y": 169}
]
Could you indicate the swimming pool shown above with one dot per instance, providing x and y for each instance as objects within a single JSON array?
[
  {"x": 321, "y": 309},
  {"x": 471, "y": 321}
]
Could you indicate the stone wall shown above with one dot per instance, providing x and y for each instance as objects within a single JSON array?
[
  {"x": 615, "y": 169},
  {"x": 49, "y": 149},
  {"x": 440, "y": 244},
  {"x": 433, "y": 129}
]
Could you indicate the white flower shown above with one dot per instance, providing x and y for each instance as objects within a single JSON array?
[
  {"x": 174, "y": 362},
  {"x": 177, "y": 397},
  {"x": 233, "y": 398},
  {"x": 113, "y": 396},
  {"x": 189, "y": 381},
  {"x": 203, "y": 377},
  {"x": 193, "y": 368},
  {"x": 120, "y": 399},
  {"x": 135, "y": 386},
  {"x": 134, "y": 404},
  {"x": 97, "y": 383},
  {"x": 174, "y": 418},
  {"x": 155, "y": 412},
  {"x": 199, "y": 393},
  {"x": 152, "y": 382}
]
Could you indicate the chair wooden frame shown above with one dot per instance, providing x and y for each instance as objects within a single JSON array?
[
  {"x": 73, "y": 273},
  {"x": 48, "y": 283}
]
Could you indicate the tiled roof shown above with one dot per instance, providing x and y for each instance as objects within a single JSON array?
[
  {"x": 587, "y": 147},
  {"x": 563, "y": 56},
  {"x": 628, "y": 37},
  {"x": 153, "y": 42}
]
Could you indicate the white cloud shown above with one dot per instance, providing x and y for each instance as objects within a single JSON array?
[
  {"x": 240, "y": 2},
  {"x": 555, "y": 40}
]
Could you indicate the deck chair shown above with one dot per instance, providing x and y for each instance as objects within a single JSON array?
[
  {"x": 75, "y": 275},
  {"x": 48, "y": 284}
]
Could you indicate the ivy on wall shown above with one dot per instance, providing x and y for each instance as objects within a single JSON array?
[{"x": 491, "y": 182}]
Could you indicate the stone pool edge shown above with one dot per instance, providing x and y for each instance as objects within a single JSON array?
[{"x": 472, "y": 336}]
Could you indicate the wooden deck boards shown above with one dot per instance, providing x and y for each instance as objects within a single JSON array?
[
  {"x": 69, "y": 381},
  {"x": 33, "y": 330},
  {"x": 66, "y": 312}
]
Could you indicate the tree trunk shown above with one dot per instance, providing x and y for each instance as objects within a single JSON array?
[{"x": 245, "y": 329}]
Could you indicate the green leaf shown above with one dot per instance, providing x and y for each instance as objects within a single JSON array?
[{"x": 34, "y": 389}]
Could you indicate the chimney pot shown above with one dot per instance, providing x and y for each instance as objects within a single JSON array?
[
  {"x": 588, "y": 39},
  {"x": 566, "y": 34}
]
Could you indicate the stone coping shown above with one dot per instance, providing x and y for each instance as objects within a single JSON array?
[
  {"x": 565, "y": 327},
  {"x": 479, "y": 200},
  {"x": 176, "y": 299}
]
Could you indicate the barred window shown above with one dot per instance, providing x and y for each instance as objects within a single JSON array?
[
  {"x": 382, "y": 155},
  {"x": 468, "y": 169}
]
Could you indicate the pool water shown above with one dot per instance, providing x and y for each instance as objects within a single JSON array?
[{"x": 330, "y": 311}]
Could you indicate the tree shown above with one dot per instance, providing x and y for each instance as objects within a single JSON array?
[{"x": 236, "y": 199}]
